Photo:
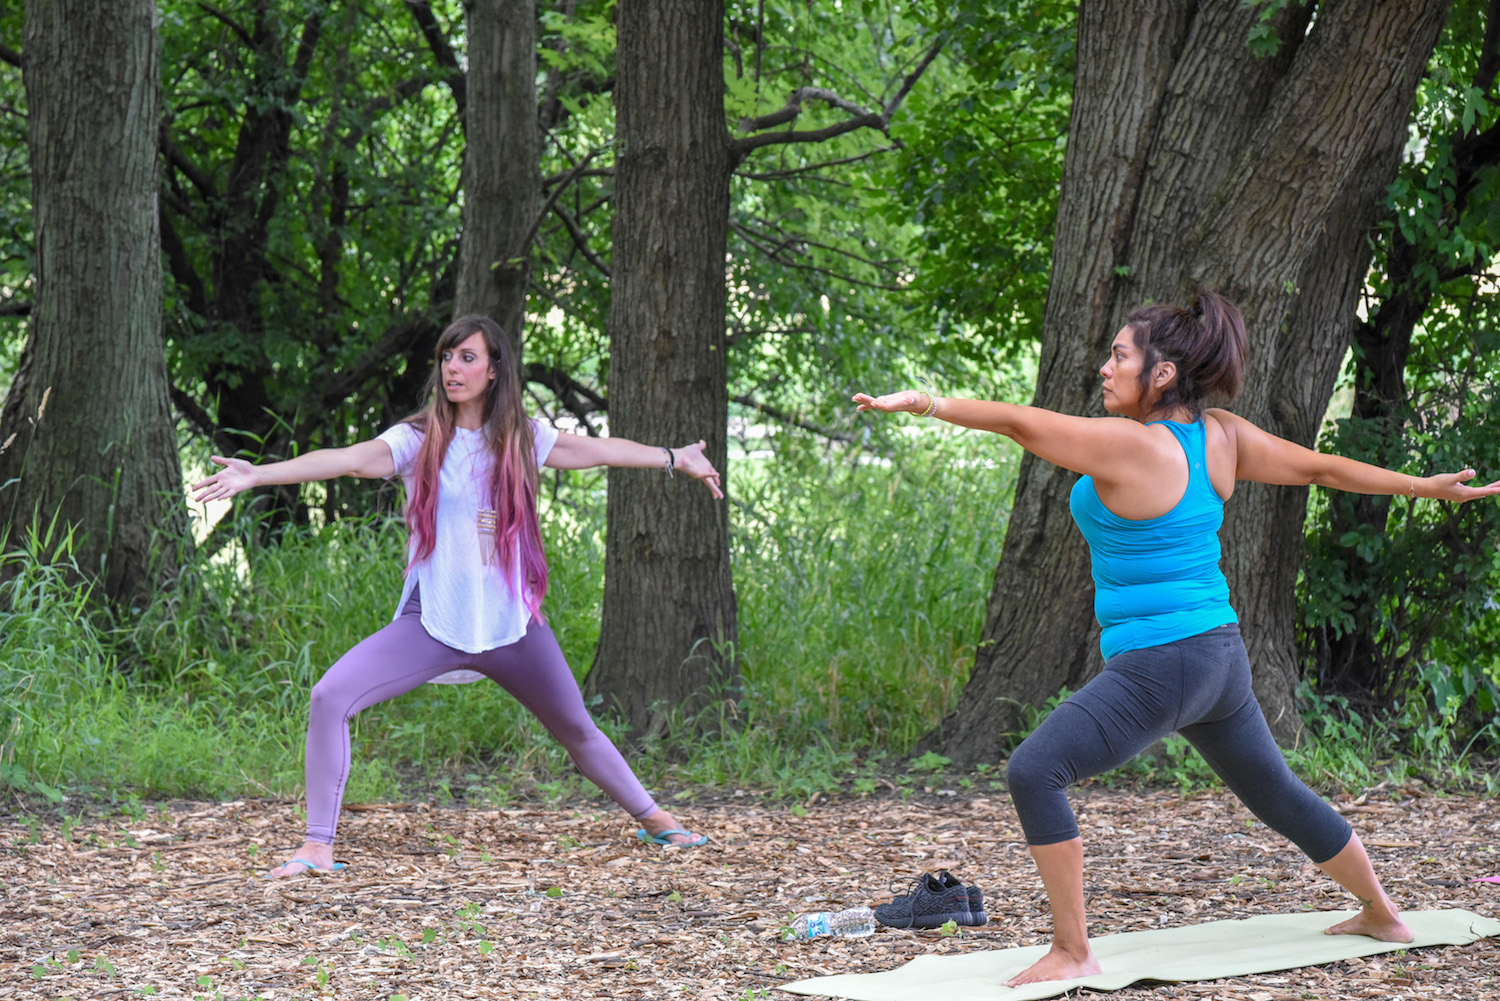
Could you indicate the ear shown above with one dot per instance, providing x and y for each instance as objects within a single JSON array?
[{"x": 1165, "y": 374}]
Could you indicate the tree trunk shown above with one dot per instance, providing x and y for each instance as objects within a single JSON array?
[
  {"x": 87, "y": 421},
  {"x": 502, "y": 175},
  {"x": 668, "y": 626},
  {"x": 1192, "y": 162}
]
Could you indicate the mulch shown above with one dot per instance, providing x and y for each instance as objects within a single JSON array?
[{"x": 444, "y": 902}]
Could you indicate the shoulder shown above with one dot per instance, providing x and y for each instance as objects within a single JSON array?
[
  {"x": 405, "y": 441},
  {"x": 545, "y": 436},
  {"x": 401, "y": 431},
  {"x": 1221, "y": 425}
]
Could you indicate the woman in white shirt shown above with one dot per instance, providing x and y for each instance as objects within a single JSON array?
[{"x": 476, "y": 573}]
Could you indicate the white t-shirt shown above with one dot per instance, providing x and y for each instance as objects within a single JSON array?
[{"x": 466, "y": 603}]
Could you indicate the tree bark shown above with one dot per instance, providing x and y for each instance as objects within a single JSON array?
[
  {"x": 501, "y": 175},
  {"x": 1192, "y": 162},
  {"x": 87, "y": 425},
  {"x": 668, "y": 629}
]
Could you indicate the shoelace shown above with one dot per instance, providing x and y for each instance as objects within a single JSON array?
[{"x": 911, "y": 888}]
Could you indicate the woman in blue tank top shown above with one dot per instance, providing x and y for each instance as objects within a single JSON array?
[{"x": 1149, "y": 502}]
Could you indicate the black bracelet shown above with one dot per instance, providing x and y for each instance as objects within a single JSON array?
[{"x": 671, "y": 463}]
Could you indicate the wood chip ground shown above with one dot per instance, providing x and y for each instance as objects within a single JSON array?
[{"x": 448, "y": 902}]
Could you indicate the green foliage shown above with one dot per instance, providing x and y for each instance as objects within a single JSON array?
[
  {"x": 1264, "y": 38},
  {"x": 862, "y": 582},
  {"x": 1397, "y": 596},
  {"x": 981, "y": 167},
  {"x": 819, "y": 271}
]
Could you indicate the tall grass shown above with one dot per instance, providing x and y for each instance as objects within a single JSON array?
[{"x": 861, "y": 576}]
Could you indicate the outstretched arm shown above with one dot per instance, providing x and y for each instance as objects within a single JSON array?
[
  {"x": 1264, "y": 458},
  {"x": 367, "y": 459},
  {"x": 576, "y": 451},
  {"x": 1109, "y": 449}
]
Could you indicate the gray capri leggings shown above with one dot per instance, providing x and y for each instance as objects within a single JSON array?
[{"x": 1199, "y": 687}]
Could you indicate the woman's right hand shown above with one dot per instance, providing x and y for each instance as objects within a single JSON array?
[
  {"x": 236, "y": 476},
  {"x": 910, "y": 401}
]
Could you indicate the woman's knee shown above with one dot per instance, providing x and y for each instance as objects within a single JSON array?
[
  {"x": 1031, "y": 771},
  {"x": 327, "y": 700},
  {"x": 573, "y": 733}
]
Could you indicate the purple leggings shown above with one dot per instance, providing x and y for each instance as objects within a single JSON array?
[{"x": 402, "y": 656}]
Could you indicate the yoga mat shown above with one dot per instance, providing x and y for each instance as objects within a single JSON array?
[{"x": 1195, "y": 952}]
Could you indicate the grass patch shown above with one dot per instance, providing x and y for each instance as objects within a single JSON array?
[{"x": 861, "y": 578}]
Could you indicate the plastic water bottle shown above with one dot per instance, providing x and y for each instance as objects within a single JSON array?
[{"x": 856, "y": 922}]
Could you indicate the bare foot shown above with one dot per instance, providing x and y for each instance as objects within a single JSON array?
[
  {"x": 312, "y": 854},
  {"x": 1380, "y": 923},
  {"x": 1056, "y": 965},
  {"x": 660, "y": 822}
]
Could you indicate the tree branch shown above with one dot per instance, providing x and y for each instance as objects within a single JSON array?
[
  {"x": 580, "y": 239},
  {"x": 11, "y": 56},
  {"x": 557, "y": 193},
  {"x": 576, "y": 398},
  {"x": 245, "y": 38},
  {"x": 199, "y": 418},
  {"x": 196, "y": 177},
  {"x": 398, "y": 339},
  {"x": 860, "y": 118},
  {"x": 776, "y": 175},
  {"x": 453, "y": 75},
  {"x": 1489, "y": 50},
  {"x": 793, "y": 108},
  {"x": 782, "y": 417},
  {"x": 787, "y": 239},
  {"x": 916, "y": 74},
  {"x": 569, "y": 176},
  {"x": 739, "y": 332},
  {"x": 15, "y": 309},
  {"x": 741, "y": 148}
]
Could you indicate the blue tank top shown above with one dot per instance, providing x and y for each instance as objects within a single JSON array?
[{"x": 1157, "y": 580}]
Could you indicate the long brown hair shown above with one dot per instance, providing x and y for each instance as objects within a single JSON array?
[
  {"x": 512, "y": 490},
  {"x": 1205, "y": 341}
]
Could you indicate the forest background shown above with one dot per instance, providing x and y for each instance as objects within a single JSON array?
[{"x": 720, "y": 221}]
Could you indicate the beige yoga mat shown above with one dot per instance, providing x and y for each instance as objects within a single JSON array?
[{"x": 1195, "y": 952}]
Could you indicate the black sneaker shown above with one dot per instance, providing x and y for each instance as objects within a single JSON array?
[
  {"x": 976, "y": 898},
  {"x": 930, "y": 904}
]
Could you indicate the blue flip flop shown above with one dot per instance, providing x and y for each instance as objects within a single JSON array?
[
  {"x": 664, "y": 838},
  {"x": 310, "y": 867}
]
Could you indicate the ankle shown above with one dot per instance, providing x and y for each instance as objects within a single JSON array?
[{"x": 1076, "y": 951}]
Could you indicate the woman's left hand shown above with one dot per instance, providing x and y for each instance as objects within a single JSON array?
[
  {"x": 1451, "y": 487},
  {"x": 691, "y": 460}
]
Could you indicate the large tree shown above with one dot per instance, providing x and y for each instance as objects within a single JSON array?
[
  {"x": 668, "y": 629},
  {"x": 87, "y": 434},
  {"x": 668, "y": 593},
  {"x": 502, "y": 183},
  {"x": 1195, "y": 158}
]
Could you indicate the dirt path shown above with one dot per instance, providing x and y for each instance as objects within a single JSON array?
[{"x": 541, "y": 903}]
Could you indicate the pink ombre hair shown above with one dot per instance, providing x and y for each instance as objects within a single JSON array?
[{"x": 512, "y": 489}]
